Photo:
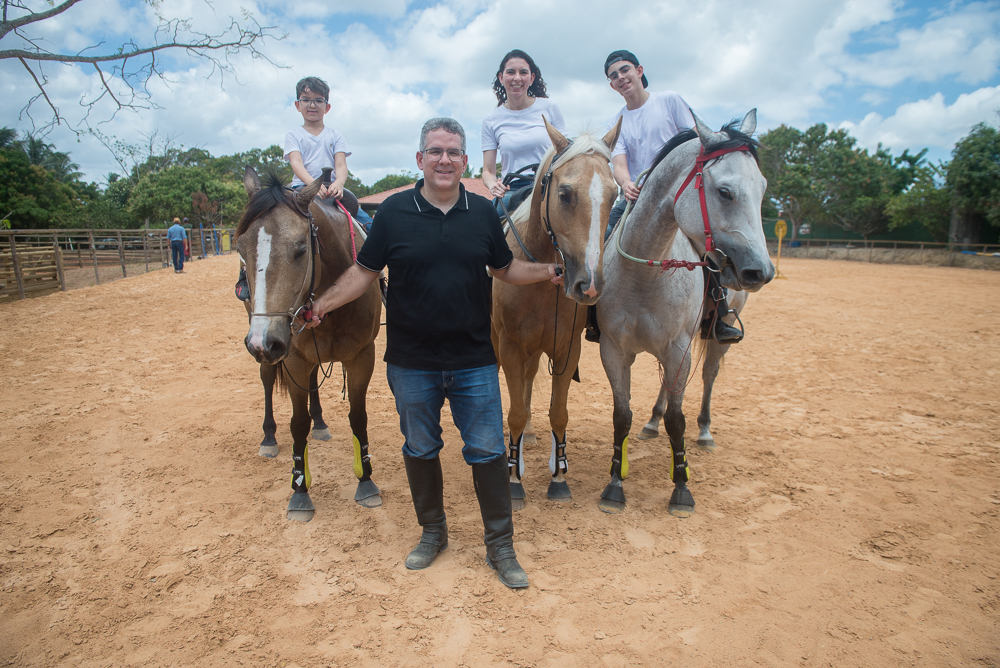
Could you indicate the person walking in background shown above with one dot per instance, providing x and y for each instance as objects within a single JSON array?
[{"x": 176, "y": 235}]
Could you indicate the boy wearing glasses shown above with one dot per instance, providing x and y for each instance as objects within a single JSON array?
[
  {"x": 313, "y": 146},
  {"x": 437, "y": 241},
  {"x": 649, "y": 121}
]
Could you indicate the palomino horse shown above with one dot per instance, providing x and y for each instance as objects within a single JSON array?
[
  {"x": 714, "y": 354},
  {"x": 644, "y": 309},
  {"x": 292, "y": 244},
  {"x": 563, "y": 221}
]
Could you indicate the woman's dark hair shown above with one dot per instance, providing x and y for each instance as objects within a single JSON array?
[{"x": 537, "y": 89}]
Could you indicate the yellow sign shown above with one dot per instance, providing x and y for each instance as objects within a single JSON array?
[{"x": 780, "y": 229}]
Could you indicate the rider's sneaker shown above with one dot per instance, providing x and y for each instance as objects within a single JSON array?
[{"x": 242, "y": 286}]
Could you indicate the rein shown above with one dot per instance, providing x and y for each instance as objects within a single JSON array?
[{"x": 696, "y": 174}]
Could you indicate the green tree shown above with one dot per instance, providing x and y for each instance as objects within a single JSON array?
[
  {"x": 391, "y": 181},
  {"x": 163, "y": 195},
  {"x": 927, "y": 203},
  {"x": 34, "y": 196},
  {"x": 355, "y": 185},
  {"x": 974, "y": 179},
  {"x": 787, "y": 157}
]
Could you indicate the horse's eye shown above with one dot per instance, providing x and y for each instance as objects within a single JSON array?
[
  {"x": 725, "y": 193},
  {"x": 565, "y": 196},
  {"x": 299, "y": 253}
]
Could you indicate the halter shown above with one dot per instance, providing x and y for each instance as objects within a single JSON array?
[{"x": 697, "y": 174}]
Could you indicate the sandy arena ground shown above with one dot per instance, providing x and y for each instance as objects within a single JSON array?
[{"x": 849, "y": 516}]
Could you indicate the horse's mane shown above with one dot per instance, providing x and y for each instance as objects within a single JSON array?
[
  {"x": 585, "y": 143},
  {"x": 272, "y": 194},
  {"x": 736, "y": 138}
]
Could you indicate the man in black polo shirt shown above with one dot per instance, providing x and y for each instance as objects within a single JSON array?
[{"x": 437, "y": 241}]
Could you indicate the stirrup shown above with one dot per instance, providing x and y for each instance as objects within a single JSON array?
[{"x": 242, "y": 286}]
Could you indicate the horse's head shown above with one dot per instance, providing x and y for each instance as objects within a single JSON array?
[
  {"x": 573, "y": 196},
  {"x": 733, "y": 189},
  {"x": 275, "y": 241}
]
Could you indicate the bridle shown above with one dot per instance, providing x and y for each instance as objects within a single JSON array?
[{"x": 697, "y": 175}]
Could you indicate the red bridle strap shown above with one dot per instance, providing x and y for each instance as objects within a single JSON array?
[{"x": 699, "y": 184}]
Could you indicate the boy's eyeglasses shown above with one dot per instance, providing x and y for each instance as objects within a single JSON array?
[
  {"x": 623, "y": 70},
  {"x": 438, "y": 153},
  {"x": 312, "y": 103}
]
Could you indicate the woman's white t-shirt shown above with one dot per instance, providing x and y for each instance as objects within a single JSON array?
[
  {"x": 519, "y": 137},
  {"x": 317, "y": 150}
]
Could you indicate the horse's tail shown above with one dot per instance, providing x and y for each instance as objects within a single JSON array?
[{"x": 282, "y": 382}]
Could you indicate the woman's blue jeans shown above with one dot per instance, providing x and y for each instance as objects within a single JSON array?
[{"x": 474, "y": 398}]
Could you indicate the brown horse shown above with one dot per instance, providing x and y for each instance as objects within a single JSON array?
[
  {"x": 563, "y": 221},
  {"x": 292, "y": 245}
]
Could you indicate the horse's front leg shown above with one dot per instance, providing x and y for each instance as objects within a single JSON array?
[
  {"x": 530, "y": 371},
  {"x": 300, "y": 506},
  {"x": 320, "y": 432},
  {"x": 517, "y": 416},
  {"x": 618, "y": 367},
  {"x": 269, "y": 446},
  {"x": 709, "y": 372},
  {"x": 559, "y": 419},
  {"x": 359, "y": 375},
  {"x": 678, "y": 365}
]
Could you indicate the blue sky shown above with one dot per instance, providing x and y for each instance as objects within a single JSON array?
[{"x": 911, "y": 75}]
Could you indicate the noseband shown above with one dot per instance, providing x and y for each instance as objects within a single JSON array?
[{"x": 696, "y": 174}]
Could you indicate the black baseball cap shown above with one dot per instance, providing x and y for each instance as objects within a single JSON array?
[{"x": 622, "y": 54}]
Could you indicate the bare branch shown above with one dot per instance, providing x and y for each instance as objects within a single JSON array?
[
  {"x": 42, "y": 89},
  {"x": 6, "y": 26}
]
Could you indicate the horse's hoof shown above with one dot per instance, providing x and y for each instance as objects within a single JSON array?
[
  {"x": 559, "y": 491},
  {"x": 707, "y": 444},
  {"x": 300, "y": 507},
  {"x": 612, "y": 498},
  {"x": 529, "y": 438},
  {"x": 368, "y": 494},
  {"x": 269, "y": 451},
  {"x": 681, "y": 502},
  {"x": 321, "y": 434},
  {"x": 648, "y": 433},
  {"x": 516, "y": 496}
]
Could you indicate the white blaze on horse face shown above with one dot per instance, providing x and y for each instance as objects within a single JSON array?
[
  {"x": 594, "y": 241},
  {"x": 259, "y": 323}
]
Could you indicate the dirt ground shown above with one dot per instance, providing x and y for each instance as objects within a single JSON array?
[{"x": 849, "y": 516}]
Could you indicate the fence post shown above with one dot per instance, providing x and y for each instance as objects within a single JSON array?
[
  {"x": 894, "y": 244},
  {"x": 93, "y": 255},
  {"x": 121, "y": 253},
  {"x": 17, "y": 267},
  {"x": 847, "y": 247},
  {"x": 201, "y": 233},
  {"x": 827, "y": 256},
  {"x": 160, "y": 237},
  {"x": 951, "y": 262},
  {"x": 921, "y": 254},
  {"x": 145, "y": 247},
  {"x": 59, "y": 263}
]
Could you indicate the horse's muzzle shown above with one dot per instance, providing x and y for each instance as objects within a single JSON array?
[{"x": 267, "y": 350}]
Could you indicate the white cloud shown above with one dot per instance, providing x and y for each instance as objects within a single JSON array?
[{"x": 929, "y": 122}]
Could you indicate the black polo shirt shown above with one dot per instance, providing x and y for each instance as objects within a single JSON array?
[{"x": 438, "y": 306}]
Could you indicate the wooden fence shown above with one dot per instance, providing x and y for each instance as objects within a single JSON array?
[
  {"x": 36, "y": 262},
  {"x": 893, "y": 252}
]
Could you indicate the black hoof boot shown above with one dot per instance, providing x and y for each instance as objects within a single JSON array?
[
  {"x": 492, "y": 482},
  {"x": 681, "y": 501},
  {"x": 613, "y": 497},
  {"x": 427, "y": 490}
]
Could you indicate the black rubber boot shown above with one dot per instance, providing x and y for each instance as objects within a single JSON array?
[
  {"x": 593, "y": 332},
  {"x": 492, "y": 481},
  {"x": 427, "y": 489}
]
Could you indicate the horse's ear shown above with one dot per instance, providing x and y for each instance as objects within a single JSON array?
[
  {"x": 250, "y": 180},
  {"x": 611, "y": 138},
  {"x": 305, "y": 195},
  {"x": 706, "y": 134},
  {"x": 749, "y": 124},
  {"x": 558, "y": 140}
]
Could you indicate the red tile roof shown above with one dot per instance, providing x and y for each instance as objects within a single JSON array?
[{"x": 473, "y": 185}]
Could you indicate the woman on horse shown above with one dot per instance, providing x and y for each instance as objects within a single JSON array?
[{"x": 515, "y": 127}]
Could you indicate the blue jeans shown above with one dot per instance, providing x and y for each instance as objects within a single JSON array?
[
  {"x": 616, "y": 214},
  {"x": 177, "y": 251},
  {"x": 474, "y": 397}
]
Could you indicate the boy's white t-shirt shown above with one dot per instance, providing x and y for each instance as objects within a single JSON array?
[
  {"x": 317, "y": 150},
  {"x": 645, "y": 130},
  {"x": 519, "y": 137}
]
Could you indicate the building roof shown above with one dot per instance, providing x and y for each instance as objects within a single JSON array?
[{"x": 473, "y": 185}]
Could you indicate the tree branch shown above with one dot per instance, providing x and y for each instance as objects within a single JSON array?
[
  {"x": 42, "y": 89},
  {"x": 33, "y": 17}
]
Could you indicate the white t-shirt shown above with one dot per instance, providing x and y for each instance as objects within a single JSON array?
[
  {"x": 645, "y": 130},
  {"x": 519, "y": 137},
  {"x": 317, "y": 150}
]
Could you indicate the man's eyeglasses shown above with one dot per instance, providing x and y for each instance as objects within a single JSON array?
[
  {"x": 438, "y": 153},
  {"x": 319, "y": 102}
]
